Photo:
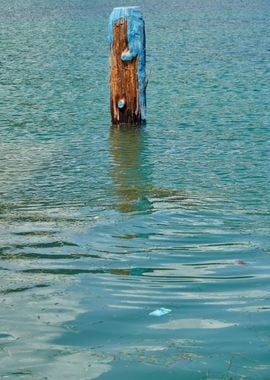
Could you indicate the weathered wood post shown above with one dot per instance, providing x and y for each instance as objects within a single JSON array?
[{"x": 127, "y": 66}]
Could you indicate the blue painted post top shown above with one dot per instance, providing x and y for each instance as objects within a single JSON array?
[
  {"x": 132, "y": 14},
  {"x": 136, "y": 46}
]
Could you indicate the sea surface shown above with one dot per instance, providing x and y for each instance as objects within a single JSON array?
[{"x": 101, "y": 226}]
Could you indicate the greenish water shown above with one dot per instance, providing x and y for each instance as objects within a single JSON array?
[{"x": 101, "y": 226}]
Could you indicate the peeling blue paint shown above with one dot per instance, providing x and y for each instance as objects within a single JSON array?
[
  {"x": 136, "y": 44},
  {"x": 121, "y": 103}
]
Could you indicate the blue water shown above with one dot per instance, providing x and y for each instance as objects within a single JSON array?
[{"x": 100, "y": 226}]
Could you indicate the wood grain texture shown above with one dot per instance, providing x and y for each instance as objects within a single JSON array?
[{"x": 123, "y": 79}]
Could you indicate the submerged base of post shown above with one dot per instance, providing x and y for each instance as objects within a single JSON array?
[{"x": 127, "y": 66}]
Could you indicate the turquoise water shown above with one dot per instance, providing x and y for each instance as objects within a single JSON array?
[{"x": 100, "y": 226}]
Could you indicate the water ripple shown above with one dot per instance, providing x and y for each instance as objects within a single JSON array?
[{"x": 101, "y": 226}]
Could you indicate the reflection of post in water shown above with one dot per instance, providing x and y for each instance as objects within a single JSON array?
[{"x": 131, "y": 171}]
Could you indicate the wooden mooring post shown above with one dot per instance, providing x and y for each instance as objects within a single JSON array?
[{"x": 127, "y": 66}]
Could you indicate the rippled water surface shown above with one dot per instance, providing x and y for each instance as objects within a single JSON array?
[{"x": 101, "y": 226}]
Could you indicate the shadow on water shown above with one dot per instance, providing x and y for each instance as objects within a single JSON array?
[{"x": 131, "y": 172}]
